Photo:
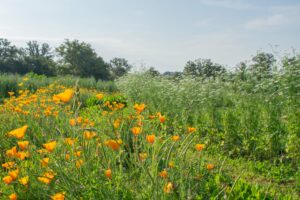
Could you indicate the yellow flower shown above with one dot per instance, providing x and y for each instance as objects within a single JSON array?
[
  {"x": 13, "y": 196},
  {"x": 191, "y": 129},
  {"x": 65, "y": 96},
  {"x": 136, "y": 131},
  {"x": 50, "y": 146},
  {"x": 168, "y": 187},
  {"x": 44, "y": 180},
  {"x": 171, "y": 164},
  {"x": 78, "y": 153},
  {"x": 142, "y": 156},
  {"x": 113, "y": 144},
  {"x": 11, "y": 93},
  {"x": 23, "y": 145},
  {"x": 89, "y": 134},
  {"x": 175, "y": 138},
  {"x": 58, "y": 196},
  {"x": 99, "y": 96},
  {"x": 108, "y": 173},
  {"x": 44, "y": 162},
  {"x": 200, "y": 147},
  {"x": 8, "y": 165},
  {"x": 19, "y": 132},
  {"x": 162, "y": 119},
  {"x": 24, "y": 181},
  {"x": 70, "y": 141},
  {"x": 79, "y": 163},
  {"x": 117, "y": 123},
  {"x": 150, "y": 138}
]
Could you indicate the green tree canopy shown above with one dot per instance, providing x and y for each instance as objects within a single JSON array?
[{"x": 79, "y": 59}]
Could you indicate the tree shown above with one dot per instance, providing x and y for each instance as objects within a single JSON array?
[
  {"x": 119, "y": 67},
  {"x": 262, "y": 65},
  {"x": 152, "y": 71},
  {"x": 10, "y": 61},
  {"x": 39, "y": 58},
  {"x": 79, "y": 59},
  {"x": 204, "y": 68}
]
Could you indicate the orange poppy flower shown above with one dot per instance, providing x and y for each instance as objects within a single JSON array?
[
  {"x": 175, "y": 138},
  {"x": 12, "y": 152},
  {"x": 19, "y": 132},
  {"x": 113, "y": 144},
  {"x": 23, "y": 145},
  {"x": 58, "y": 196},
  {"x": 163, "y": 174},
  {"x": 162, "y": 119},
  {"x": 108, "y": 173},
  {"x": 50, "y": 146},
  {"x": 200, "y": 147},
  {"x": 136, "y": 131},
  {"x": 89, "y": 135},
  {"x": 210, "y": 166},
  {"x": 191, "y": 129},
  {"x": 8, "y": 165},
  {"x": 13, "y": 196},
  {"x": 24, "y": 181},
  {"x": 44, "y": 162},
  {"x": 150, "y": 138},
  {"x": 139, "y": 108},
  {"x": 168, "y": 187},
  {"x": 65, "y": 96},
  {"x": 7, "y": 179}
]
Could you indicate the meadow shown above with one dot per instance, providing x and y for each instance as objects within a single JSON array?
[{"x": 150, "y": 137}]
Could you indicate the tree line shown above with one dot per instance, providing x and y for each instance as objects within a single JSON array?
[{"x": 74, "y": 57}]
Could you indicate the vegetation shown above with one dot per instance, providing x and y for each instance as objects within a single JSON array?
[{"x": 204, "y": 133}]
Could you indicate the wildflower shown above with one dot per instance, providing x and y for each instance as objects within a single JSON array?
[
  {"x": 162, "y": 119},
  {"x": 168, "y": 187},
  {"x": 19, "y": 132},
  {"x": 50, "y": 146},
  {"x": 200, "y": 147},
  {"x": 210, "y": 166},
  {"x": 12, "y": 152},
  {"x": 191, "y": 129},
  {"x": 99, "y": 96},
  {"x": 107, "y": 173},
  {"x": 78, "y": 153},
  {"x": 23, "y": 145},
  {"x": 14, "y": 174},
  {"x": 13, "y": 196},
  {"x": 11, "y": 94},
  {"x": 44, "y": 162},
  {"x": 139, "y": 108},
  {"x": 72, "y": 122},
  {"x": 117, "y": 123},
  {"x": 143, "y": 156},
  {"x": 24, "y": 181},
  {"x": 171, "y": 164},
  {"x": 44, "y": 180},
  {"x": 136, "y": 131},
  {"x": 150, "y": 138},
  {"x": 58, "y": 196},
  {"x": 22, "y": 155},
  {"x": 113, "y": 144},
  {"x": 65, "y": 96},
  {"x": 151, "y": 116},
  {"x": 70, "y": 141},
  {"x": 163, "y": 174},
  {"x": 89, "y": 134},
  {"x": 79, "y": 163},
  {"x": 8, "y": 165},
  {"x": 20, "y": 84},
  {"x": 67, "y": 157},
  {"x": 7, "y": 179},
  {"x": 175, "y": 138}
]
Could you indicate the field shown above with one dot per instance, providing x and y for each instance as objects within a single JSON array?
[{"x": 147, "y": 137}]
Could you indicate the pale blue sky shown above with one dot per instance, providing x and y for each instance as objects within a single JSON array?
[{"x": 160, "y": 33}]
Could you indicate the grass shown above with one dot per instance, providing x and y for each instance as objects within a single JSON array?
[{"x": 192, "y": 139}]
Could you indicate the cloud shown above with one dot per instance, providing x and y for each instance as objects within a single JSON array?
[
  {"x": 272, "y": 21},
  {"x": 232, "y": 4},
  {"x": 279, "y": 17}
]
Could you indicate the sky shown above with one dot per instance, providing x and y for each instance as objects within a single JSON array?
[{"x": 164, "y": 34}]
